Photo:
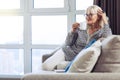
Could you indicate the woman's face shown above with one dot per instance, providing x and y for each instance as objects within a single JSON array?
[{"x": 91, "y": 18}]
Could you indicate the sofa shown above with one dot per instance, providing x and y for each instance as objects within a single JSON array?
[{"x": 106, "y": 67}]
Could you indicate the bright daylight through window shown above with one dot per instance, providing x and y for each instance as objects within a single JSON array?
[
  {"x": 48, "y": 3},
  {"x": 9, "y": 4},
  {"x": 31, "y": 28}
]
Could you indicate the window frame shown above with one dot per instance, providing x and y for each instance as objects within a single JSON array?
[{"x": 45, "y": 10}]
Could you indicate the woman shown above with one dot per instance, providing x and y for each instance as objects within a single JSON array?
[
  {"x": 97, "y": 27},
  {"x": 97, "y": 23}
]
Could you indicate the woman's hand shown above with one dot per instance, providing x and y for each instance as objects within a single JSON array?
[
  {"x": 75, "y": 26},
  {"x": 103, "y": 15}
]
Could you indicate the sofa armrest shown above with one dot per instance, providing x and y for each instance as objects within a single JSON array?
[{"x": 45, "y": 56}]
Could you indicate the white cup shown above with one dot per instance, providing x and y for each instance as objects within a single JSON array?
[{"x": 83, "y": 25}]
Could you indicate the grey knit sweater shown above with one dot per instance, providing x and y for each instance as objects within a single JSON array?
[{"x": 74, "y": 45}]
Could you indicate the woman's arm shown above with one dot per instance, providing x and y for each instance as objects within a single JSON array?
[
  {"x": 70, "y": 38},
  {"x": 106, "y": 31}
]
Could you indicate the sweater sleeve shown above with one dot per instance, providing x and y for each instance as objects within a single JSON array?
[
  {"x": 106, "y": 31},
  {"x": 69, "y": 38}
]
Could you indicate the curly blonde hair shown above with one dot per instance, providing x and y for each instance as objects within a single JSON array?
[{"x": 94, "y": 10}]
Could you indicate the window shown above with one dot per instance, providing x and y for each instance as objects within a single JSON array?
[
  {"x": 49, "y": 29},
  {"x": 48, "y": 3},
  {"x": 9, "y": 4},
  {"x": 80, "y": 18},
  {"x": 11, "y": 30},
  {"x": 83, "y": 4},
  {"x": 80, "y": 9},
  {"x": 31, "y": 28},
  {"x": 11, "y": 61}
]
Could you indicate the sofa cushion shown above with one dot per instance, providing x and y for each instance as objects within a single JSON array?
[
  {"x": 109, "y": 61},
  {"x": 86, "y": 59},
  {"x": 69, "y": 76},
  {"x": 62, "y": 65}
]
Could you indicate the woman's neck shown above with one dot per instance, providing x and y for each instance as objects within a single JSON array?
[
  {"x": 94, "y": 25},
  {"x": 93, "y": 28}
]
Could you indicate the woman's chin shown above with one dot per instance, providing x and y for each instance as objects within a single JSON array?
[{"x": 89, "y": 23}]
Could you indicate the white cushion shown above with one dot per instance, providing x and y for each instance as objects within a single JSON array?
[
  {"x": 86, "y": 59},
  {"x": 55, "y": 59}
]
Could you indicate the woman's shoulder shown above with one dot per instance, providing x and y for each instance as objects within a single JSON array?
[
  {"x": 106, "y": 26},
  {"x": 106, "y": 30}
]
